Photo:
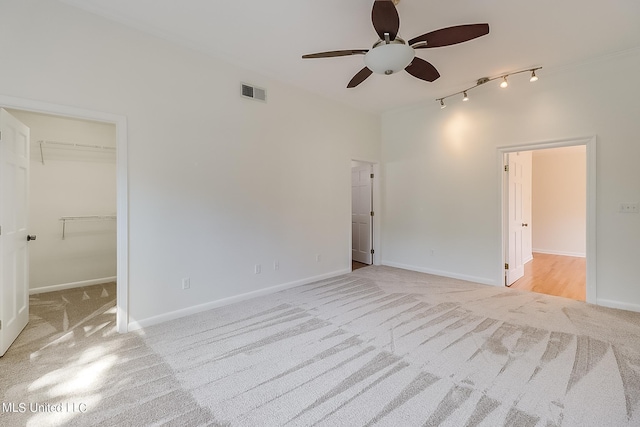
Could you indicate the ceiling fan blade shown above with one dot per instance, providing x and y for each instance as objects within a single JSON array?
[
  {"x": 385, "y": 19},
  {"x": 334, "y": 53},
  {"x": 450, "y": 35},
  {"x": 360, "y": 77},
  {"x": 423, "y": 70}
]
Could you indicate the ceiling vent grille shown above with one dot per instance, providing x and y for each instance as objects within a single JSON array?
[{"x": 253, "y": 92}]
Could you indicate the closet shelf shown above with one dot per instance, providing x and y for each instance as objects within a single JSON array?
[
  {"x": 72, "y": 146},
  {"x": 65, "y": 219}
]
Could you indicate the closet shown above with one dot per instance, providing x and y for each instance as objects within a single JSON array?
[{"x": 72, "y": 202}]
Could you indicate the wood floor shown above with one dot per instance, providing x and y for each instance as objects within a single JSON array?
[
  {"x": 562, "y": 276},
  {"x": 356, "y": 265}
]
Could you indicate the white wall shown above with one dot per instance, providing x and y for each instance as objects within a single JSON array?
[
  {"x": 559, "y": 201},
  {"x": 442, "y": 177},
  {"x": 217, "y": 183},
  {"x": 70, "y": 183}
]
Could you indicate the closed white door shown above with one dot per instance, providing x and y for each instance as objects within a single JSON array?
[
  {"x": 361, "y": 214},
  {"x": 515, "y": 183},
  {"x": 14, "y": 265}
]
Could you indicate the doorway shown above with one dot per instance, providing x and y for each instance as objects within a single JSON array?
[
  {"x": 363, "y": 211},
  {"x": 72, "y": 202},
  {"x": 121, "y": 183},
  {"x": 69, "y": 269},
  {"x": 548, "y": 217}
]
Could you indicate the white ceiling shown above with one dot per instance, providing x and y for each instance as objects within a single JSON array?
[{"x": 271, "y": 36}]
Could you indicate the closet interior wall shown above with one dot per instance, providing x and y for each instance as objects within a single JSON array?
[{"x": 73, "y": 176}]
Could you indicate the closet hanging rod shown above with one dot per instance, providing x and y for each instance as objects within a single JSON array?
[{"x": 64, "y": 220}]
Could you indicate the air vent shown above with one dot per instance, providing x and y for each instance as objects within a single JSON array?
[{"x": 254, "y": 92}]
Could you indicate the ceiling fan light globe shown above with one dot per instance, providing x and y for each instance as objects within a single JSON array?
[{"x": 389, "y": 58}]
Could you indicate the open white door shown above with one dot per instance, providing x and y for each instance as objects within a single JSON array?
[
  {"x": 515, "y": 249},
  {"x": 361, "y": 213},
  {"x": 14, "y": 265}
]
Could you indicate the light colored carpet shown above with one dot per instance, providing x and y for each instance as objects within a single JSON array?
[{"x": 379, "y": 346}]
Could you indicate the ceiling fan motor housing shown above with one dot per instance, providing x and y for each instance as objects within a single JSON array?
[{"x": 389, "y": 58}]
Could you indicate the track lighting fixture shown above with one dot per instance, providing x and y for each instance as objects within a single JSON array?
[{"x": 484, "y": 80}]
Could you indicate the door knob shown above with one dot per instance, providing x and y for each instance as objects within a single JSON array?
[
  {"x": 31, "y": 237},
  {"x": 525, "y": 225}
]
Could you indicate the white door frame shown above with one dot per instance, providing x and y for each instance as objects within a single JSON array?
[
  {"x": 377, "y": 209},
  {"x": 590, "y": 143},
  {"x": 122, "y": 187}
]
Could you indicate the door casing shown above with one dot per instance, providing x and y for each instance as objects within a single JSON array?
[{"x": 122, "y": 209}]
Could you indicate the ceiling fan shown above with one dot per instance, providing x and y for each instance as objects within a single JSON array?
[{"x": 391, "y": 54}]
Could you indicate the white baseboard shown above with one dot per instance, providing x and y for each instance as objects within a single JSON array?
[
  {"x": 617, "y": 304},
  {"x": 71, "y": 285},
  {"x": 551, "y": 252},
  {"x": 139, "y": 324},
  {"x": 527, "y": 259},
  {"x": 482, "y": 280}
]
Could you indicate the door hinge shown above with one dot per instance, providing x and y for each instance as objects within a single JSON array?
[
  {"x": 0, "y": 324},
  {"x": 372, "y": 251},
  {"x": 506, "y": 168},
  {"x": 371, "y": 176},
  {"x": 506, "y": 266},
  {"x": 371, "y": 213}
]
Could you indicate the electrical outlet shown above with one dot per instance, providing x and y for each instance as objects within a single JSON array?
[
  {"x": 629, "y": 207},
  {"x": 276, "y": 265},
  {"x": 186, "y": 283},
  {"x": 258, "y": 269}
]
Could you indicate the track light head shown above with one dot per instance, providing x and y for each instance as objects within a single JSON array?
[
  {"x": 442, "y": 104},
  {"x": 504, "y": 82},
  {"x": 464, "y": 96},
  {"x": 533, "y": 78}
]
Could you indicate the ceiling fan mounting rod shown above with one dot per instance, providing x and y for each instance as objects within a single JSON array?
[{"x": 397, "y": 40}]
